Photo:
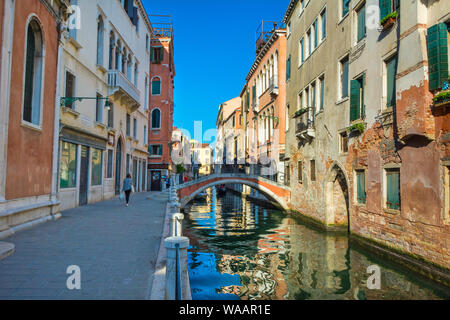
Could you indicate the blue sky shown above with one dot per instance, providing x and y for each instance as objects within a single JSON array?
[{"x": 214, "y": 50}]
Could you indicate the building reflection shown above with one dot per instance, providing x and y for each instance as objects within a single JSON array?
[{"x": 275, "y": 257}]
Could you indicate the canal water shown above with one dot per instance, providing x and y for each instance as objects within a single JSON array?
[{"x": 240, "y": 250}]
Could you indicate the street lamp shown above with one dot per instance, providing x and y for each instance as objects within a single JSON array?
[{"x": 67, "y": 101}]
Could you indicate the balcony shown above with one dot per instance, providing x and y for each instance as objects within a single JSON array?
[
  {"x": 304, "y": 126},
  {"x": 273, "y": 85},
  {"x": 123, "y": 90}
]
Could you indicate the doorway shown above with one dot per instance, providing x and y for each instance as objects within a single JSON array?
[
  {"x": 84, "y": 176},
  {"x": 156, "y": 180},
  {"x": 337, "y": 199},
  {"x": 118, "y": 167}
]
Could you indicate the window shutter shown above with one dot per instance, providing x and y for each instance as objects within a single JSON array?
[
  {"x": 391, "y": 71},
  {"x": 393, "y": 190},
  {"x": 437, "y": 46},
  {"x": 385, "y": 8},
  {"x": 288, "y": 69},
  {"x": 161, "y": 54},
  {"x": 363, "y": 105},
  {"x": 361, "y": 23},
  {"x": 152, "y": 54},
  {"x": 355, "y": 99}
]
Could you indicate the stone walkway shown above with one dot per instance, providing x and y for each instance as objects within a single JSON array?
[{"x": 115, "y": 248}]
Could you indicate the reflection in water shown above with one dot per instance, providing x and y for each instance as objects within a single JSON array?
[{"x": 240, "y": 250}]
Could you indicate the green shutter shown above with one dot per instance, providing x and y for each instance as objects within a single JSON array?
[
  {"x": 391, "y": 68},
  {"x": 361, "y": 187},
  {"x": 288, "y": 68},
  {"x": 152, "y": 55},
  {"x": 437, "y": 45},
  {"x": 385, "y": 8},
  {"x": 363, "y": 105},
  {"x": 393, "y": 190},
  {"x": 355, "y": 99},
  {"x": 161, "y": 55},
  {"x": 156, "y": 87},
  {"x": 362, "y": 23}
]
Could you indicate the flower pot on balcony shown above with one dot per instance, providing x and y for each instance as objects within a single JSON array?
[{"x": 389, "y": 20}]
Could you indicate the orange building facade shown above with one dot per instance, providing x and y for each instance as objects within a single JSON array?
[
  {"x": 264, "y": 106},
  {"x": 30, "y": 58},
  {"x": 161, "y": 108}
]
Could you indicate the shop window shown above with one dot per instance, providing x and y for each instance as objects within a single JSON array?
[{"x": 68, "y": 175}]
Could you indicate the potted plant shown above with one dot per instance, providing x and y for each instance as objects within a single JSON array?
[
  {"x": 300, "y": 112},
  {"x": 442, "y": 98},
  {"x": 389, "y": 20},
  {"x": 356, "y": 129}
]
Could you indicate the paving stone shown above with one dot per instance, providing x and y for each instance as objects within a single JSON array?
[{"x": 115, "y": 247}]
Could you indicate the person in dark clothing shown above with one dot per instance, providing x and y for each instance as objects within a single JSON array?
[{"x": 127, "y": 188}]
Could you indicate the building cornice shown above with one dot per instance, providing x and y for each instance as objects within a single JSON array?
[
  {"x": 263, "y": 52},
  {"x": 289, "y": 10}
]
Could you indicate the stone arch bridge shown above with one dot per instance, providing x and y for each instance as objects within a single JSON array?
[{"x": 277, "y": 192}]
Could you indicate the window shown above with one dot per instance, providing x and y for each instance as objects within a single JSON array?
[
  {"x": 147, "y": 42},
  {"x": 316, "y": 34},
  {"x": 111, "y": 115},
  {"x": 308, "y": 37},
  {"x": 156, "y": 86},
  {"x": 345, "y": 7},
  {"x": 145, "y": 135},
  {"x": 289, "y": 30},
  {"x": 157, "y": 55},
  {"x": 313, "y": 99},
  {"x": 437, "y": 46},
  {"x": 357, "y": 109},
  {"x": 313, "y": 170},
  {"x": 287, "y": 173},
  {"x": 288, "y": 68},
  {"x": 128, "y": 125},
  {"x": 100, "y": 40},
  {"x": 135, "y": 128},
  {"x": 344, "y": 77},
  {"x": 136, "y": 74},
  {"x": 68, "y": 175},
  {"x": 33, "y": 74},
  {"x": 361, "y": 23},
  {"x": 388, "y": 6},
  {"x": 234, "y": 121},
  {"x": 146, "y": 93},
  {"x": 391, "y": 71},
  {"x": 99, "y": 108},
  {"x": 300, "y": 172},
  {"x": 96, "y": 178},
  {"x": 155, "y": 149},
  {"x": 287, "y": 118},
  {"x": 343, "y": 142},
  {"x": 156, "y": 119},
  {"x": 73, "y": 31},
  {"x": 109, "y": 170},
  {"x": 322, "y": 92},
  {"x": 70, "y": 88},
  {"x": 127, "y": 169},
  {"x": 302, "y": 50},
  {"x": 393, "y": 189},
  {"x": 323, "y": 20},
  {"x": 361, "y": 186}
]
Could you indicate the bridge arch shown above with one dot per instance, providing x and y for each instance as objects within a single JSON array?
[{"x": 270, "y": 189}]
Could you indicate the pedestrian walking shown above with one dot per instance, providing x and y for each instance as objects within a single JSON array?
[{"x": 127, "y": 188}]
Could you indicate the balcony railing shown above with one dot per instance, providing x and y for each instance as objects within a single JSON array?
[
  {"x": 123, "y": 88},
  {"x": 305, "y": 127},
  {"x": 273, "y": 85}
]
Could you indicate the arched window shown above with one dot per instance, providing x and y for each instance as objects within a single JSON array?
[
  {"x": 156, "y": 119},
  {"x": 156, "y": 86},
  {"x": 34, "y": 60},
  {"x": 100, "y": 40},
  {"x": 112, "y": 45}
]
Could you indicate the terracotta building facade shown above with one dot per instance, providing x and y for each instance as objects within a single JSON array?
[
  {"x": 161, "y": 104},
  {"x": 30, "y": 58}
]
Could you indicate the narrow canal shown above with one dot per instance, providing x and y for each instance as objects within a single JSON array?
[{"x": 240, "y": 250}]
